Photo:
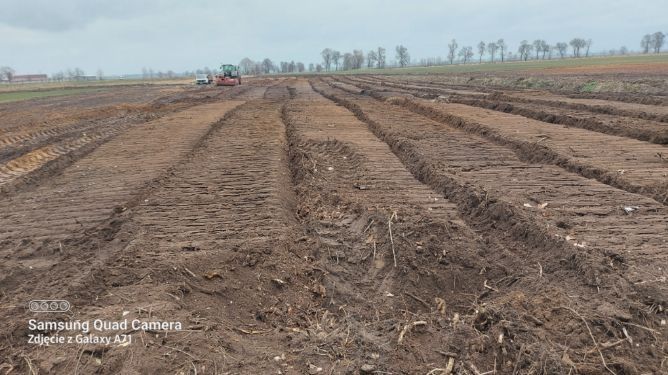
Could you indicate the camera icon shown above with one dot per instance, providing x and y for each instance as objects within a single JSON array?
[{"x": 49, "y": 306}]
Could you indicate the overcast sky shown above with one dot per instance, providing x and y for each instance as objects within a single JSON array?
[{"x": 123, "y": 36}]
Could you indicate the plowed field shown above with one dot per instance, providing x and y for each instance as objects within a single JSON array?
[{"x": 335, "y": 225}]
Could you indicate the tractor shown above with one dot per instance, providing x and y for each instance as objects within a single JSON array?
[{"x": 229, "y": 75}]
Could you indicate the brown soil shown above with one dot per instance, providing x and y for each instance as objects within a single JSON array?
[
  {"x": 331, "y": 226},
  {"x": 641, "y": 129}
]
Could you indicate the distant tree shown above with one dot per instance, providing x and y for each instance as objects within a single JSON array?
[
  {"x": 646, "y": 43},
  {"x": 348, "y": 61},
  {"x": 502, "y": 47},
  {"x": 658, "y": 39},
  {"x": 144, "y": 73},
  {"x": 371, "y": 58},
  {"x": 318, "y": 68},
  {"x": 545, "y": 48},
  {"x": 587, "y": 47},
  {"x": 7, "y": 73},
  {"x": 492, "y": 47},
  {"x": 311, "y": 67},
  {"x": 327, "y": 58},
  {"x": 300, "y": 67},
  {"x": 481, "y": 50},
  {"x": 561, "y": 47},
  {"x": 59, "y": 76},
  {"x": 78, "y": 72},
  {"x": 623, "y": 50},
  {"x": 577, "y": 44},
  {"x": 336, "y": 58},
  {"x": 403, "y": 58},
  {"x": 246, "y": 65},
  {"x": 99, "y": 74},
  {"x": 524, "y": 50},
  {"x": 267, "y": 66},
  {"x": 538, "y": 46},
  {"x": 358, "y": 58},
  {"x": 466, "y": 53},
  {"x": 452, "y": 49},
  {"x": 380, "y": 56}
]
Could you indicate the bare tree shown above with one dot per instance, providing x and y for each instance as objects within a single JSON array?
[
  {"x": 492, "y": 47},
  {"x": 348, "y": 61},
  {"x": 646, "y": 43},
  {"x": 100, "y": 74},
  {"x": 318, "y": 68},
  {"x": 336, "y": 57},
  {"x": 466, "y": 53},
  {"x": 481, "y": 50},
  {"x": 577, "y": 44},
  {"x": 327, "y": 58},
  {"x": 623, "y": 50},
  {"x": 561, "y": 47},
  {"x": 587, "y": 47},
  {"x": 246, "y": 65},
  {"x": 545, "y": 48},
  {"x": 358, "y": 58},
  {"x": 524, "y": 50},
  {"x": 658, "y": 40},
  {"x": 502, "y": 47},
  {"x": 59, "y": 76},
  {"x": 7, "y": 73},
  {"x": 403, "y": 58},
  {"x": 371, "y": 58},
  {"x": 538, "y": 46},
  {"x": 452, "y": 49},
  {"x": 380, "y": 55},
  {"x": 311, "y": 67},
  {"x": 267, "y": 66}
]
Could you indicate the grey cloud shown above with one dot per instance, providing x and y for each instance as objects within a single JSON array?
[{"x": 62, "y": 15}]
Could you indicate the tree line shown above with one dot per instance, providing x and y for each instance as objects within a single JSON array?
[
  {"x": 335, "y": 60},
  {"x": 653, "y": 42}
]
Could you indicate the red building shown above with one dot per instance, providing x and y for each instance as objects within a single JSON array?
[{"x": 29, "y": 78}]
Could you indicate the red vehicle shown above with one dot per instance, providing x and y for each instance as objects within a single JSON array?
[{"x": 229, "y": 76}]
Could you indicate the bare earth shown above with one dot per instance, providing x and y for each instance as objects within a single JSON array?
[{"x": 337, "y": 225}]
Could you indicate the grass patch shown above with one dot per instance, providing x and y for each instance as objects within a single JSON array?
[
  {"x": 37, "y": 86},
  {"x": 6, "y": 97},
  {"x": 590, "y": 86}
]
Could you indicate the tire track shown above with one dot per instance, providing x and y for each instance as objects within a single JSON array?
[
  {"x": 628, "y": 164},
  {"x": 226, "y": 210},
  {"x": 606, "y": 105},
  {"x": 642, "y": 111},
  {"x": 34, "y": 223},
  {"x": 349, "y": 184},
  {"x": 502, "y": 197},
  {"x": 65, "y": 139},
  {"x": 640, "y": 129},
  {"x": 573, "y": 202}
]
